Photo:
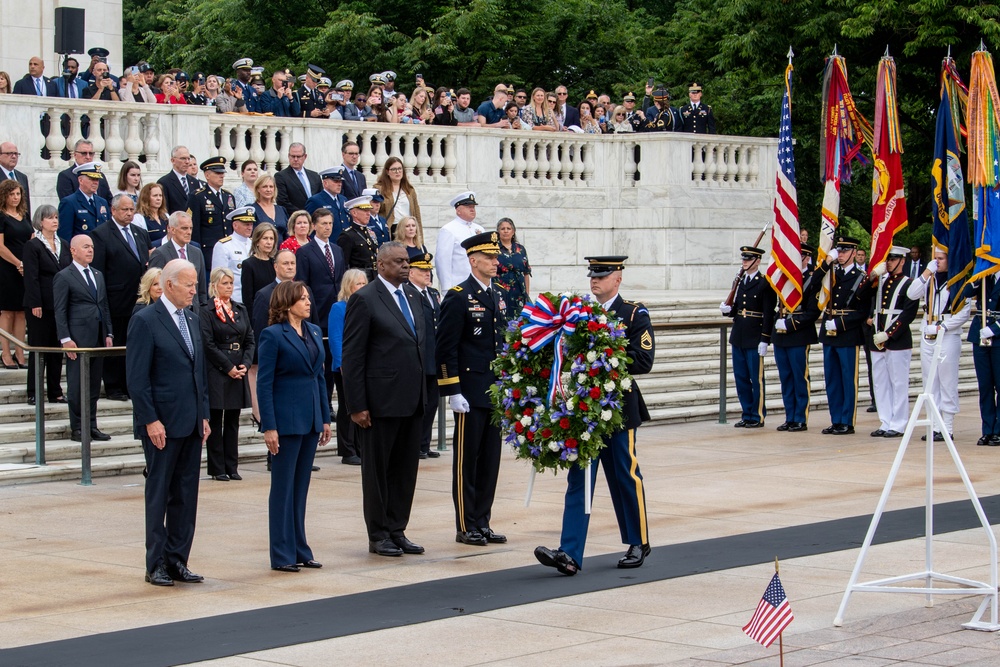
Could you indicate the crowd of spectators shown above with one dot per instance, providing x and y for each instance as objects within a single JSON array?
[{"x": 316, "y": 96}]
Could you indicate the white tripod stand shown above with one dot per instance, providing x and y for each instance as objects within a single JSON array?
[{"x": 959, "y": 586}]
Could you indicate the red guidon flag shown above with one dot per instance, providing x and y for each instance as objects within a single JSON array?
[{"x": 888, "y": 195}]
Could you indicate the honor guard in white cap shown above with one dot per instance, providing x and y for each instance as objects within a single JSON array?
[
  {"x": 230, "y": 252},
  {"x": 358, "y": 241},
  {"x": 83, "y": 210},
  {"x": 452, "y": 262}
]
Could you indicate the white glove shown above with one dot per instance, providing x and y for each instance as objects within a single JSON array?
[
  {"x": 932, "y": 266},
  {"x": 834, "y": 254},
  {"x": 725, "y": 308},
  {"x": 930, "y": 329},
  {"x": 986, "y": 334},
  {"x": 762, "y": 349},
  {"x": 880, "y": 270},
  {"x": 458, "y": 403},
  {"x": 880, "y": 337},
  {"x": 831, "y": 325},
  {"x": 779, "y": 324}
]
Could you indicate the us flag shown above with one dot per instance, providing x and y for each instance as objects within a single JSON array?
[
  {"x": 785, "y": 270},
  {"x": 772, "y": 616}
]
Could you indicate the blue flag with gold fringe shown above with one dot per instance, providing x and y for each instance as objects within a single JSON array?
[{"x": 984, "y": 164}]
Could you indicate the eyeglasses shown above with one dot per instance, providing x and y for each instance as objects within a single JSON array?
[
  {"x": 14, "y": 153},
  {"x": 562, "y": 94},
  {"x": 83, "y": 153},
  {"x": 619, "y": 115},
  {"x": 551, "y": 101},
  {"x": 295, "y": 157},
  {"x": 354, "y": 153},
  {"x": 360, "y": 99},
  {"x": 395, "y": 169}
]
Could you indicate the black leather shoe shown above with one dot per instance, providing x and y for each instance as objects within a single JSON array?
[
  {"x": 351, "y": 460},
  {"x": 471, "y": 537},
  {"x": 384, "y": 547},
  {"x": 31, "y": 400},
  {"x": 76, "y": 436},
  {"x": 877, "y": 433},
  {"x": 315, "y": 468},
  {"x": 635, "y": 556},
  {"x": 59, "y": 399},
  {"x": 220, "y": 478},
  {"x": 754, "y": 425},
  {"x": 96, "y": 434},
  {"x": 557, "y": 559},
  {"x": 311, "y": 564},
  {"x": 180, "y": 572},
  {"x": 843, "y": 429},
  {"x": 892, "y": 434},
  {"x": 740, "y": 424},
  {"x": 433, "y": 455},
  {"x": 983, "y": 441},
  {"x": 286, "y": 568},
  {"x": 159, "y": 576},
  {"x": 798, "y": 426},
  {"x": 118, "y": 396},
  {"x": 236, "y": 476},
  {"x": 829, "y": 429},
  {"x": 491, "y": 537},
  {"x": 784, "y": 427},
  {"x": 872, "y": 408},
  {"x": 994, "y": 441},
  {"x": 407, "y": 546},
  {"x": 422, "y": 455}
]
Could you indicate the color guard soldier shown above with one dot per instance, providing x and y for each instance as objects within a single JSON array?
[
  {"x": 208, "y": 206},
  {"x": 84, "y": 210},
  {"x": 794, "y": 332},
  {"x": 986, "y": 354},
  {"x": 696, "y": 117},
  {"x": 231, "y": 251},
  {"x": 753, "y": 320},
  {"x": 421, "y": 277},
  {"x": 661, "y": 117},
  {"x": 469, "y": 335},
  {"x": 358, "y": 241},
  {"x": 621, "y": 467},
  {"x": 840, "y": 332}
]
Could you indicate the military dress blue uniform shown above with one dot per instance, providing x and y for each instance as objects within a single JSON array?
[
  {"x": 335, "y": 203},
  {"x": 77, "y": 213},
  {"x": 987, "y": 357},
  {"x": 791, "y": 355},
  {"x": 208, "y": 210}
]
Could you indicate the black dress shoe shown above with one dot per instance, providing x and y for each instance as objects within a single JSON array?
[
  {"x": 11, "y": 366},
  {"x": 118, "y": 396},
  {"x": 994, "y": 441},
  {"x": 235, "y": 476},
  {"x": 76, "y": 436},
  {"x": 754, "y": 425},
  {"x": 635, "y": 556},
  {"x": 892, "y": 434},
  {"x": 557, "y": 559},
  {"x": 983, "y": 441},
  {"x": 843, "y": 429},
  {"x": 471, "y": 537},
  {"x": 877, "y": 433},
  {"x": 31, "y": 400},
  {"x": 491, "y": 537},
  {"x": 407, "y": 546},
  {"x": 286, "y": 568},
  {"x": 433, "y": 455},
  {"x": 22, "y": 364},
  {"x": 311, "y": 564},
  {"x": 829, "y": 429},
  {"x": 96, "y": 434},
  {"x": 384, "y": 547},
  {"x": 180, "y": 572},
  {"x": 59, "y": 399},
  {"x": 740, "y": 424},
  {"x": 315, "y": 468},
  {"x": 422, "y": 455},
  {"x": 872, "y": 408},
  {"x": 798, "y": 426},
  {"x": 784, "y": 427},
  {"x": 220, "y": 478},
  {"x": 351, "y": 460},
  {"x": 159, "y": 576}
]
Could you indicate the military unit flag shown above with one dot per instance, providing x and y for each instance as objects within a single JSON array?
[{"x": 888, "y": 195}]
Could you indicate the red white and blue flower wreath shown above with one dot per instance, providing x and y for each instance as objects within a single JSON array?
[{"x": 554, "y": 416}]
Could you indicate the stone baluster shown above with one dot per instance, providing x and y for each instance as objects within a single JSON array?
[
  {"x": 271, "y": 154},
  {"x": 133, "y": 141},
  {"x": 507, "y": 160},
  {"x": 545, "y": 161},
  {"x": 744, "y": 165},
  {"x": 55, "y": 141},
  {"x": 534, "y": 149},
  {"x": 256, "y": 148},
  {"x": 520, "y": 146},
  {"x": 451, "y": 159},
  {"x": 711, "y": 164},
  {"x": 437, "y": 158},
  {"x": 240, "y": 153},
  {"x": 733, "y": 153},
  {"x": 722, "y": 156},
  {"x": 630, "y": 165},
  {"x": 151, "y": 142},
  {"x": 367, "y": 156},
  {"x": 754, "y": 166},
  {"x": 423, "y": 159},
  {"x": 381, "y": 154},
  {"x": 75, "y": 128},
  {"x": 581, "y": 170},
  {"x": 226, "y": 145},
  {"x": 698, "y": 162},
  {"x": 114, "y": 142},
  {"x": 97, "y": 131}
]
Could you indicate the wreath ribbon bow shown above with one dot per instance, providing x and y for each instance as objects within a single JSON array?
[{"x": 547, "y": 324}]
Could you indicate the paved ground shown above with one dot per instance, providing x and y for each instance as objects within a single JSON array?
[{"x": 71, "y": 562}]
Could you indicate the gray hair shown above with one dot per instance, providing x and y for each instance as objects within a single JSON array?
[
  {"x": 218, "y": 274},
  {"x": 284, "y": 250},
  {"x": 384, "y": 249},
  {"x": 175, "y": 218},
  {"x": 118, "y": 198},
  {"x": 42, "y": 212},
  {"x": 173, "y": 269},
  {"x": 173, "y": 151},
  {"x": 82, "y": 142},
  {"x": 297, "y": 144}
]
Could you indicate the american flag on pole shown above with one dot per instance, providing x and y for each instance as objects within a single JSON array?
[
  {"x": 785, "y": 270},
  {"x": 772, "y": 616}
]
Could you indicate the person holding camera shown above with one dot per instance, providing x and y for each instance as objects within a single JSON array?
[
  {"x": 444, "y": 111},
  {"x": 133, "y": 87},
  {"x": 196, "y": 93},
  {"x": 279, "y": 99},
  {"x": 102, "y": 87}
]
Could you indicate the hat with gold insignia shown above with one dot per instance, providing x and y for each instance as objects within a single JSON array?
[
  {"x": 363, "y": 202},
  {"x": 487, "y": 242},
  {"x": 750, "y": 252},
  {"x": 629, "y": 97},
  {"x": 91, "y": 169},
  {"x": 695, "y": 87},
  {"x": 242, "y": 214},
  {"x": 324, "y": 82},
  {"x": 378, "y": 78},
  {"x": 420, "y": 259},
  {"x": 466, "y": 198},
  {"x": 591, "y": 95},
  {"x": 243, "y": 63},
  {"x": 807, "y": 250},
  {"x": 605, "y": 265},
  {"x": 847, "y": 242},
  {"x": 315, "y": 72},
  {"x": 389, "y": 75},
  {"x": 345, "y": 84},
  {"x": 333, "y": 173},
  {"x": 661, "y": 94},
  {"x": 216, "y": 164}
]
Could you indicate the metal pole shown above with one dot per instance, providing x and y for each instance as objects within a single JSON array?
[
  {"x": 723, "y": 373},
  {"x": 85, "y": 477},
  {"x": 442, "y": 436},
  {"x": 39, "y": 409}
]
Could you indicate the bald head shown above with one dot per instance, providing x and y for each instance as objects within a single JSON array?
[
  {"x": 81, "y": 247},
  {"x": 36, "y": 66}
]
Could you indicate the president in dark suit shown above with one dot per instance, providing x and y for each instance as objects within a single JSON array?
[
  {"x": 84, "y": 210},
  {"x": 168, "y": 384},
  {"x": 66, "y": 181},
  {"x": 121, "y": 252},
  {"x": 290, "y": 363},
  {"x": 384, "y": 388},
  {"x": 178, "y": 245},
  {"x": 293, "y": 180},
  {"x": 8, "y": 161},
  {"x": 82, "y": 320},
  {"x": 178, "y": 185}
]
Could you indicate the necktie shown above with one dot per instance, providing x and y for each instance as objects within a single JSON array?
[
  {"x": 185, "y": 334},
  {"x": 71, "y": 86},
  {"x": 305, "y": 182},
  {"x": 38, "y": 87},
  {"x": 329, "y": 260},
  {"x": 405, "y": 309},
  {"x": 90, "y": 283},
  {"x": 131, "y": 242},
  {"x": 90, "y": 202},
  {"x": 182, "y": 253},
  {"x": 11, "y": 175},
  {"x": 184, "y": 182}
]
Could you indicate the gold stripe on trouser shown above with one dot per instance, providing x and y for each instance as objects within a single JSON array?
[
  {"x": 857, "y": 357},
  {"x": 460, "y": 454},
  {"x": 640, "y": 496},
  {"x": 760, "y": 387},
  {"x": 808, "y": 385}
]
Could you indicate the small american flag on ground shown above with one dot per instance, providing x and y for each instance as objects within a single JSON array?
[{"x": 772, "y": 616}]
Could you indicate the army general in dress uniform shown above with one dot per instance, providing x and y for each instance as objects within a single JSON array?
[
  {"x": 618, "y": 458},
  {"x": 82, "y": 211},
  {"x": 469, "y": 335},
  {"x": 753, "y": 320},
  {"x": 208, "y": 206}
]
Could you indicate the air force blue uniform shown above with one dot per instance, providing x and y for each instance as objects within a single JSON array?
[{"x": 337, "y": 204}]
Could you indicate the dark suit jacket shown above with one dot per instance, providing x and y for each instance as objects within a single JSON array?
[
  {"x": 78, "y": 314},
  {"x": 67, "y": 183},
  {"x": 22, "y": 178},
  {"x": 311, "y": 268},
  {"x": 572, "y": 116},
  {"x": 908, "y": 266},
  {"x": 121, "y": 268},
  {"x": 291, "y": 194},
  {"x": 383, "y": 365},
  {"x": 166, "y": 252},
  {"x": 165, "y": 383},
  {"x": 262, "y": 309},
  {"x": 40, "y": 268},
  {"x": 354, "y": 183},
  {"x": 25, "y": 86},
  {"x": 174, "y": 191},
  {"x": 285, "y": 369},
  {"x": 60, "y": 83}
]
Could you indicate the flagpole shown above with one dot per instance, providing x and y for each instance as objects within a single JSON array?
[{"x": 781, "y": 635}]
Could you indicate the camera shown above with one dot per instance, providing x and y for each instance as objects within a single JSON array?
[
  {"x": 133, "y": 70},
  {"x": 338, "y": 97},
  {"x": 284, "y": 84},
  {"x": 106, "y": 75}
]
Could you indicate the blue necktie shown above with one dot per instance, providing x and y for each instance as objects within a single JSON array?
[
  {"x": 90, "y": 284},
  {"x": 131, "y": 242},
  {"x": 406, "y": 310},
  {"x": 185, "y": 334},
  {"x": 305, "y": 183},
  {"x": 38, "y": 87}
]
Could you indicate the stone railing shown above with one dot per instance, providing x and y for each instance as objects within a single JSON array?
[{"x": 678, "y": 204}]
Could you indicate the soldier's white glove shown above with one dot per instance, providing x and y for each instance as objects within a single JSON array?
[
  {"x": 725, "y": 308},
  {"x": 932, "y": 266},
  {"x": 880, "y": 270},
  {"x": 930, "y": 329},
  {"x": 834, "y": 254},
  {"x": 986, "y": 334},
  {"x": 762, "y": 349},
  {"x": 779, "y": 324},
  {"x": 458, "y": 403},
  {"x": 880, "y": 337},
  {"x": 831, "y": 325}
]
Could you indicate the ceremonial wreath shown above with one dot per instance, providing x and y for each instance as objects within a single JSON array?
[{"x": 552, "y": 416}]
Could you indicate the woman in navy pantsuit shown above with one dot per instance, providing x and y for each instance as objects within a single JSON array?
[{"x": 290, "y": 367}]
